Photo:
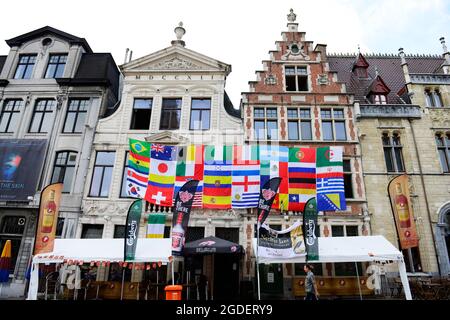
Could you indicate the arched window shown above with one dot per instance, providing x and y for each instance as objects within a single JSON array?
[
  {"x": 393, "y": 154},
  {"x": 443, "y": 147},
  {"x": 64, "y": 169}
]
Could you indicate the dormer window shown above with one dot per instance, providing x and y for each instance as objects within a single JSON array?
[
  {"x": 56, "y": 65},
  {"x": 25, "y": 66},
  {"x": 361, "y": 72},
  {"x": 379, "y": 99}
]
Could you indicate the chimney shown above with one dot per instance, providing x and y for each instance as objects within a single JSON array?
[
  {"x": 126, "y": 56},
  {"x": 131, "y": 54},
  {"x": 404, "y": 65},
  {"x": 446, "y": 55}
]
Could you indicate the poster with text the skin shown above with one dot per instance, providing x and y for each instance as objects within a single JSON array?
[{"x": 20, "y": 167}]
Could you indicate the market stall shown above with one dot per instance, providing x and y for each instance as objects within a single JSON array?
[
  {"x": 94, "y": 250},
  {"x": 351, "y": 249}
]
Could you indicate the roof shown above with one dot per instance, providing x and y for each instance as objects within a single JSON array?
[
  {"x": 2, "y": 62},
  {"x": 346, "y": 249},
  {"x": 95, "y": 69},
  {"x": 19, "y": 40},
  {"x": 389, "y": 68},
  {"x": 87, "y": 250},
  {"x": 229, "y": 108}
]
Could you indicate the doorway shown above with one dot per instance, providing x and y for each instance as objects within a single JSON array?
[{"x": 226, "y": 276}]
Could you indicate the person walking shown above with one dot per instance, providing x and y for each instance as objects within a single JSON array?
[{"x": 310, "y": 284}]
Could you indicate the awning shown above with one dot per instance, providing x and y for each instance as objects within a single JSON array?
[
  {"x": 211, "y": 245},
  {"x": 87, "y": 250},
  {"x": 347, "y": 249}
]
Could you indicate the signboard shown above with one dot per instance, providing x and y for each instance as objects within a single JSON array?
[
  {"x": 48, "y": 216},
  {"x": 403, "y": 212},
  {"x": 20, "y": 167},
  {"x": 311, "y": 230},
  {"x": 284, "y": 244},
  {"x": 132, "y": 229}
]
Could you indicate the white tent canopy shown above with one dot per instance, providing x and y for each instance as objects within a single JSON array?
[
  {"x": 88, "y": 250},
  {"x": 352, "y": 249}
]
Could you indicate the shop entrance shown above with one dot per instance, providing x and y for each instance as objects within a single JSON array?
[{"x": 226, "y": 276}]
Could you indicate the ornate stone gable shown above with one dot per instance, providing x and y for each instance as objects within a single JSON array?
[
  {"x": 175, "y": 63},
  {"x": 167, "y": 137}
]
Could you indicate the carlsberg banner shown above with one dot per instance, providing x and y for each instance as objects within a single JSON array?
[
  {"x": 311, "y": 230},
  {"x": 132, "y": 229},
  {"x": 284, "y": 244}
]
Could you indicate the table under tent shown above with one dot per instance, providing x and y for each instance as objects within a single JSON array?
[
  {"x": 85, "y": 251},
  {"x": 351, "y": 249}
]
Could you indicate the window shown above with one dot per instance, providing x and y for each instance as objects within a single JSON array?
[
  {"x": 170, "y": 114},
  {"x": 42, "y": 116},
  {"x": 333, "y": 124},
  {"x": 123, "y": 189},
  {"x": 296, "y": 78},
  {"x": 59, "y": 227},
  {"x": 142, "y": 111},
  {"x": 119, "y": 231},
  {"x": 12, "y": 228},
  {"x": 393, "y": 153},
  {"x": 229, "y": 234},
  {"x": 433, "y": 98},
  {"x": 337, "y": 231},
  {"x": 379, "y": 99},
  {"x": 348, "y": 185},
  {"x": 64, "y": 168},
  {"x": 195, "y": 233},
  {"x": 299, "y": 125},
  {"x": 56, "y": 65},
  {"x": 9, "y": 117},
  {"x": 200, "y": 114},
  {"x": 412, "y": 260},
  {"x": 76, "y": 115},
  {"x": 25, "y": 66},
  {"x": 101, "y": 179},
  {"x": 443, "y": 146},
  {"x": 266, "y": 119},
  {"x": 92, "y": 231}
]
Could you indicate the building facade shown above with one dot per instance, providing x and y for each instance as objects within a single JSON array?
[
  {"x": 298, "y": 101},
  {"x": 160, "y": 98},
  {"x": 401, "y": 105},
  {"x": 53, "y": 88}
]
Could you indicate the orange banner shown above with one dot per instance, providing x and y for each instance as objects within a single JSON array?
[
  {"x": 48, "y": 217},
  {"x": 403, "y": 212}
]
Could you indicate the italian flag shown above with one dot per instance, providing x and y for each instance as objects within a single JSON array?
[{"x": 155, "y": 227}]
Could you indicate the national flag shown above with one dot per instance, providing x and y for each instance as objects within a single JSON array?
[
  {"x": 245, "y": 180},
  {"x": 330, "y": 179},
  {"x": 190, "y": 167},
  {"x": 138, "y": 168},
  {"x": 161, "y": 179},
  {"x": 156, "y": 223},
  {"x": 217, "y": 177},
  {"x": 274, "y": 163},
  {"x": 302, "y": 177}
]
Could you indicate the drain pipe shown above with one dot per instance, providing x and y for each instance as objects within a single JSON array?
[{"x": 424, "y": 193}]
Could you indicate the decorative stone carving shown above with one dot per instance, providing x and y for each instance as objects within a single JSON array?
[
  {"x": 175, "y": 63},
  {"x": 291, "y": 16},
  {"x": 440, "y": 117},
  {"x": 389, "y": 111},
  {"x": 61, "y": 97},
  {"x": 270, "y": 80},
  {"x": 322, "y": 79},
  {"x": 295, "y": 51}
]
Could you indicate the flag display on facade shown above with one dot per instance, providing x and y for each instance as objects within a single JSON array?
[
  {"x": 302, "y": 177},
  {"x": 138, "y": 168},
  {"x": 217, "y": 177},
  {"x": 156, "y": 223},
  {"x": 330, "y": 179},
  {"x": 274, "y": 163},
  {"x": 189, "y": 167},
  {"x": 161, "y": 179},
  {"x": 245, "y": 177}
]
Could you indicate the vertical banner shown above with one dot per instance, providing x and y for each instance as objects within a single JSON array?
[
  {"x": 403, "y": 213},
  {"x": 132, "y": 229},
  {"x": 48, "y": 216},
  {"x": 266, "y": 197},
  {"x": 311, "y": 230},
  {"x": 181, "y": 212}
]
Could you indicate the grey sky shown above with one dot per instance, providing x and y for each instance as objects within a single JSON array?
[{"x": 236, "y": 32}]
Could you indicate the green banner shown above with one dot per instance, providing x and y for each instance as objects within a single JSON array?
[
  {"x": 132, "y": 229},
  {"x": 311, "y": 230}
]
